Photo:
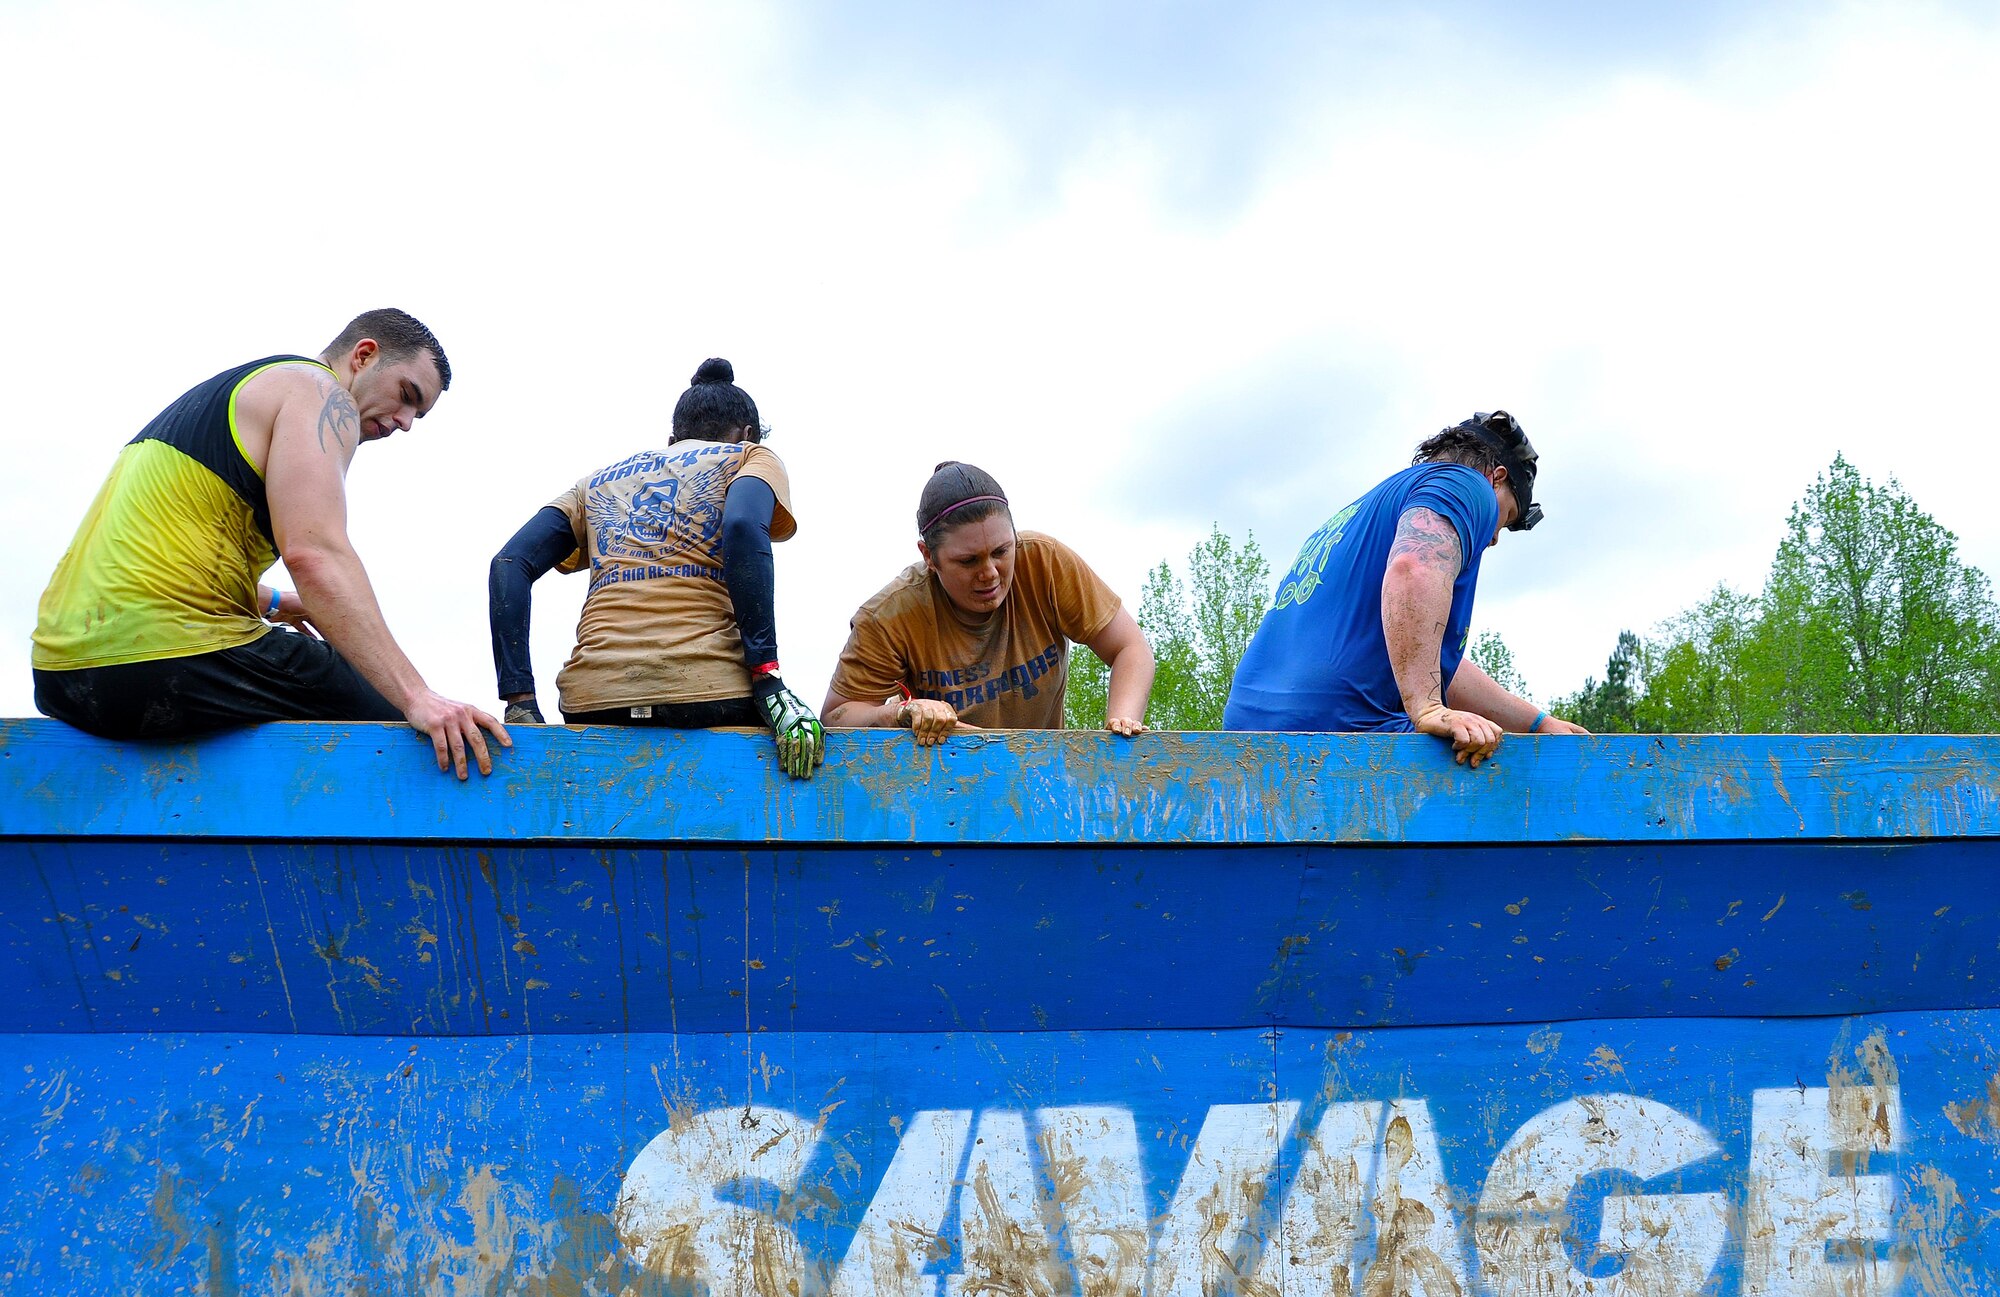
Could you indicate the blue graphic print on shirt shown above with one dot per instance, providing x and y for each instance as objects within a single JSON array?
[
  {"x": 964, "y": 687},
  {"x": 674, "y": 513}
]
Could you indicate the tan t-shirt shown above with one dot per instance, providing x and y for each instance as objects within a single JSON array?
[
  {"x": 1005, "y": 670},
  {"x": 657, "y": 625}
]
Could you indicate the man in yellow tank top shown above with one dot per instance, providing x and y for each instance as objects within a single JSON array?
[{"x": 155, "y": 624}]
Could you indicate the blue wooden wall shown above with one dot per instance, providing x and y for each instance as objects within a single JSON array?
[{"x": 289, "y": 1012}]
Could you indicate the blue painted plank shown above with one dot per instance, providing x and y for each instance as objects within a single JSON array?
[
  {"x": 1506, "y": 1157},
  {"x": 373, "y": 782},
  {"x": 183, "y": 935}
]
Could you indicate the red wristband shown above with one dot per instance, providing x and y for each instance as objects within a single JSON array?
[{"x": 766, "y": 669}]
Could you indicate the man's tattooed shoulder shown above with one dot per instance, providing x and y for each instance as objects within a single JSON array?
[
  {"x": 338, "y": 418},
  {"x": 1427, "y": 536}
]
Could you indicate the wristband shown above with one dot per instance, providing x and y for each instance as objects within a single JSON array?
[
  {"x": 1536, "y": 724},
  {"x": 765, "y": 669},
  {"x": 272, "y": 611}
]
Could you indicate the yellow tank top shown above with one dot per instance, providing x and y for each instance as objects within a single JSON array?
[{"x": 166, "y": 561}]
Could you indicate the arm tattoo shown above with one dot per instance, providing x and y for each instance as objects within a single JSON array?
[
  {"x": 338, "y": 417},
  {"x": 1428, "y": 538}
]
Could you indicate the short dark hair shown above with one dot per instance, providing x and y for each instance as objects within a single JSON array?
[
  {"x": 713, "y": 406},
  {"x": 957, "y": 494},
  {"x": 398, "y": 333},
  {"x": 1459, "y": 445}
]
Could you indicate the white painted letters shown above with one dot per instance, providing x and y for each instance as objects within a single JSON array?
[
  {"x": 1062, "y": 1206},
  {"x": 900, "y": 1234},
  {"x": 1808, "y": 1152},
  {"x": 1369, "y": 1210},
  {"x": 1004, "y": 1243},
  {"x": 1093, "y": 1159},
  {"x": 670, "y": 1218},
  {"x": 1204, "y": 1241},
  {"x": 1668, "y": 1242}
]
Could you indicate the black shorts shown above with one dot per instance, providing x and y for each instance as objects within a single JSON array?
[
  {"x": 678, "y": 716},
  {"x": 280, "y": 676}
]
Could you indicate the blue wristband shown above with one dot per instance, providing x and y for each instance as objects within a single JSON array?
[
  {"x": 272, "y": 611},
  {"x": 1536, "y": 723}
]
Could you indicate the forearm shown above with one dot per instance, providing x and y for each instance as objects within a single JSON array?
[
  {"x": 1416, "y": 605},
  {"x": 1131, "y": 682},
  {"x": 338, "y": 598},
  {"x": 1472, "y": 690},
  {"x": 854, "y": 714}
]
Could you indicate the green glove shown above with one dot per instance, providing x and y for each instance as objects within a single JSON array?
[
  {"x": 525, "y": 712},
  {"x": 801, "y": 738}
]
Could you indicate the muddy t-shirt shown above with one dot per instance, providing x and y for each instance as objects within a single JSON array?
[
  {"x": 1003, "y": 670},
  {"x": 657, "y": 624}
]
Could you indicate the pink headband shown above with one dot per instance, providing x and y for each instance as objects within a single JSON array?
[{"x": 953, "y": 508}]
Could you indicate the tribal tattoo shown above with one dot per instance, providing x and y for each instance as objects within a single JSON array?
[
  {"x": 1429, "y": 538},
  {"x": 338, "y": 417}
]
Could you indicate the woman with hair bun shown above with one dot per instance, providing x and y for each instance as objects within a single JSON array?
[
  {"x": 977, "y": 635},
  {"x": 678, "y": 627}
]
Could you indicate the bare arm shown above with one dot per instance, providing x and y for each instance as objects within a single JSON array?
[
  {"x": 313, "y": 441},
  {"x": 1124, "y": 648},
  {"x": 874, "y": 664},
  {"x": 929, "y": 720},
  {"x": 858, "y": 715},
  {"x": 1473, "y": 690},
  {"x": 313, "y": 438},
  {"x": 1424, "y": 561}
]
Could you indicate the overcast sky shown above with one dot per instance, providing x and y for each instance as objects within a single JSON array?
[{"x": 1155, "y": 265}]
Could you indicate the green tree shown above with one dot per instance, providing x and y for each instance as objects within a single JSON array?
[
  {"x": 1198, "y": 629},
  {"x": 1493, "y": 657},
  {"x": 1698, "y": 670},
  {"x": 1868, "y": 622},
  {"x": 1609, "y": 706}
]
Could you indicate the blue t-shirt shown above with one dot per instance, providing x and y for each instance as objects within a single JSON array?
[{"x": 1319, "y": 660}]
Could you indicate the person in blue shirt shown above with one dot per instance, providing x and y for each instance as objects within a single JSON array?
[{"x": 1369, "y": 627}]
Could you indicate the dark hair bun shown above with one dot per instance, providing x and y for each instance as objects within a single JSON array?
[
  {"x": 944, "y": 465},
  {"x": 714, "y": 370}
]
